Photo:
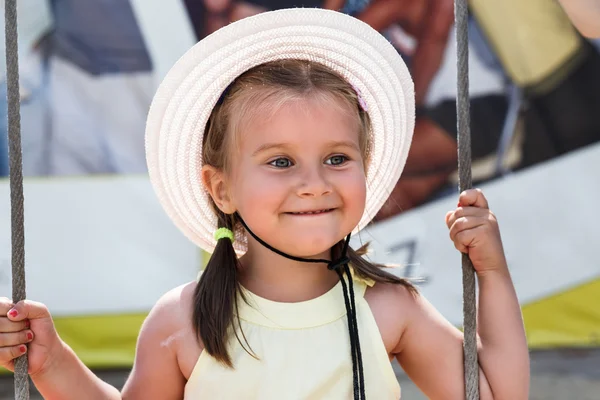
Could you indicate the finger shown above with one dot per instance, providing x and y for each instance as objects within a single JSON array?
[
  {"x": 463, "y": 224},
  {"x": 15, "y": 338},
  {"x": 449, "y": 215},
  {"x": 7, "y": 325},
  {"x": 464, "y": 239},
  {"x": 8, "y": 354},
  {"x": 5, "y": 305},
  {"x": 28, "y": 309},
  {"x": 473, "y": 198},
  {"x": 460, "y": 212}
]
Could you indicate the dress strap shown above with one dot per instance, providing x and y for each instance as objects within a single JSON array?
[{"x": 360, "y": 284}]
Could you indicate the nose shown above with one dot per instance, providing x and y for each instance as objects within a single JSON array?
[{"x": 314, "y": 183}]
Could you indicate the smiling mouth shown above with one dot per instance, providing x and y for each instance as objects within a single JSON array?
[{"x": 316, "y": 212}]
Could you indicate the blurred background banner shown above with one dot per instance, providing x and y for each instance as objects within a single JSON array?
[
  {"x": 100, "y": 253},
  {"x": 100, "y": 250},
  {"x": 550, "y": 244}
]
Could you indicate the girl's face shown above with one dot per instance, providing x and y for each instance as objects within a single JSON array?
[{"x": 298, "y": 178}]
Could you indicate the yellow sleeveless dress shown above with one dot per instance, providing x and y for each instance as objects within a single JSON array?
[{"x": 303, "y": 352}]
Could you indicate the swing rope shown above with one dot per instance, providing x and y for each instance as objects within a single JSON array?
[
  {"x": 16, "y": 181},
  {"x": 471, "y": 365}
]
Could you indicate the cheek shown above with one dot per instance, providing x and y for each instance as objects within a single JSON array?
[
  {"x": 354, "y": 191},
  {"x": 256, "y": 191},
  {"x": 360, "y": 193}
]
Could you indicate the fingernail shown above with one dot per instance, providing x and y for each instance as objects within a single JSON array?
[
  {"x": 459, "y": 205},
  {"x": 22, "y": 348},
  {"x": 13, "y": 313},
  {"x": 29, "y": 336},
  {"x": 27, "y": 323}
]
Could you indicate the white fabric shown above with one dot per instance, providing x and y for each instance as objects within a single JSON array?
[
  {"x": 190, "y": 90},
  {"x": 167, "y": 31},
  {"x": 80, "y": 124}
]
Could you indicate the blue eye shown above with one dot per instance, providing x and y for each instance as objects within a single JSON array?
[
  {"x": 281, "y": 163},
  {"x": 337, "y": 160}
]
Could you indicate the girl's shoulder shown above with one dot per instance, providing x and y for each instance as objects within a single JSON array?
[
  {"x": 170, "y": 323},
  {"x": 166, "y": 351},
  {"x": 392, "y": 306},
  {"x": 171, "y": 316},
  {"x": 175, "y": 306},
  {"x": 393, "y": 299}
]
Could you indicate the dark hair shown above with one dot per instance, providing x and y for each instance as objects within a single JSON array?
[{"x": 215, "y": 298}]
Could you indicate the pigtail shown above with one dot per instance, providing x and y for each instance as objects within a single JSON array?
[
  {"x": 215, "y": 297},
  {"x": 376, "y": 272}
]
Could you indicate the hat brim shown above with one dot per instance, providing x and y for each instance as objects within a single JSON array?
[{"x": 190, "y": 90}]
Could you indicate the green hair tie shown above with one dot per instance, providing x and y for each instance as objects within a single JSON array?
[{"x": 222, "y": 233}]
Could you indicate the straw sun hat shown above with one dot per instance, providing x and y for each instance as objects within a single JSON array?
[{"x": 187, "y": 95}]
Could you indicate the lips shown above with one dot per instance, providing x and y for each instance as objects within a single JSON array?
[{"x": 312, "y": 212}]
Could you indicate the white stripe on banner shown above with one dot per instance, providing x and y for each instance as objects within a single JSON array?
[{"x": 96, "y": 245}]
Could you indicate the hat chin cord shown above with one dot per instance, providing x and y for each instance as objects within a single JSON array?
[{"x": 340, "y": 266}]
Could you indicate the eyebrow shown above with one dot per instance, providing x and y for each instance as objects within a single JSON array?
[{"x": 269, "y": 146}]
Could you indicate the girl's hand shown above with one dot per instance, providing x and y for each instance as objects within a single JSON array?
[
  {"x": 474, "y": 231},
  {"x": 27, "y": 327}
]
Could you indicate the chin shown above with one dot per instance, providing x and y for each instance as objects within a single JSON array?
[{"x": 314, "y": 247}]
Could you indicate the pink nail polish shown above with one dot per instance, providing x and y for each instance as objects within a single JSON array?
[
  {"x": 27, "y": 323},
  {"x": 13, "y": 313},
  {"x": 29, "y": 336},
  {"x": 22, "y": 348}
]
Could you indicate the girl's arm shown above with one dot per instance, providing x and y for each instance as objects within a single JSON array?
[
  {"x": 155, "y": 375},
  {"x": 68, "y": 378},
  {"x": 431, "y": 350},
  {"x": 585, "y": 15}
]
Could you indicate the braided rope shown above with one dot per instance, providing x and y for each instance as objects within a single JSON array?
[
  {"x": 16, "y": 181},
  {"x": 471, "y": 365}
]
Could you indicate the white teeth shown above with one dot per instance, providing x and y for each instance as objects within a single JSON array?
[{"x": 310, "y": 212}]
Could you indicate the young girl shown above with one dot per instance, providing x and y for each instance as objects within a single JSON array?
[{"x": 268, "y": 144}]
